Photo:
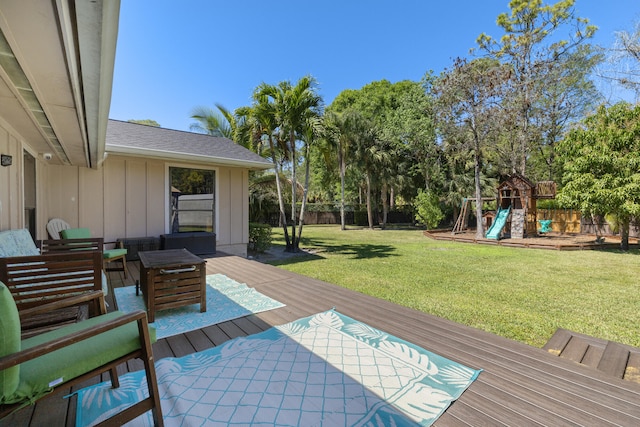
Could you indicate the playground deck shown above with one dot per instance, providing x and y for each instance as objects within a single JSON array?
[{"x": 554, "y": 241}]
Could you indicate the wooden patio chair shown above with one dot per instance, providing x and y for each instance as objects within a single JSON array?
[
  {"x": 117, "y": 253},
  {"x": 54, "y": 361},
  {"x": 53, "y": 276},
  {"x": 55, "y": 226}
]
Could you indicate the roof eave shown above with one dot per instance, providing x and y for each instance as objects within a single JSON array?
[
  {"x": 97, "y": 26},
  {"x": 171, "y": 155}
]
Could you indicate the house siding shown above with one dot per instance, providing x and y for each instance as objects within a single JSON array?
[
  {"x": 11, "y": 195},
  {"x": 233, "y": 192},
  {"x": 126, "y": 198},
  {"x": 123, "y": 198}
]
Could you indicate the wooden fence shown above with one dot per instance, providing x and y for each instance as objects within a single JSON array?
[
  {"x": 562, "y": 220},
  {"x": 572, "y": 221}
]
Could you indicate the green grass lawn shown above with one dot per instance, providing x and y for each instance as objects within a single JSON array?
[{"x": 523, "y": 294}]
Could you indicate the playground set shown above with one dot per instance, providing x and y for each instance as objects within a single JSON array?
[{"x": 516, "y": 214}]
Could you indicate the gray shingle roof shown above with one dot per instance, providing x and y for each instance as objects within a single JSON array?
[{"x": 149, "y": 141}]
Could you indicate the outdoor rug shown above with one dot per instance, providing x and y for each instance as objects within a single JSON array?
[
  {"x": 226, "y": 300},
  {"x": 326, "y": 369}
]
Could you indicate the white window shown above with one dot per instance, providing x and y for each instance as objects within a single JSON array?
[{"x": 192, "y": 199}]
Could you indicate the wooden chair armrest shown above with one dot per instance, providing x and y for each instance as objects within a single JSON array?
[
  {"x": 118, "y": 244},
  {"x": 22, "y": 356},
  {"x": 97, "y": 296}
]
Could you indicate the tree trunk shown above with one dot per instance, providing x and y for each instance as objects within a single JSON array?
[
  {"x": 476, "y": 170},
  {"x": 392, "y": 198},
  {"x": 307, "y": 174},
  {"x": 369, "y": 208},
  {"x": 624, "y": 234},
  {"x": 342, "y": 173},
  {"x": 294, "y": 188},
  {"x": 385, "y": 205},
  {"x": 283, "y": 215}
]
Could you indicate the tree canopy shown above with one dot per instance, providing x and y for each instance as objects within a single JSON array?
[
  {"x": 147, "y": 122},
  {"x": 540, "y": 57},
  {"x": 446, "y": 138},
  {"x": 602, "y": 165}
]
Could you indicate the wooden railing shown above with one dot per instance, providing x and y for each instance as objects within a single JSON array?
[{"x": 546, "y": 190}]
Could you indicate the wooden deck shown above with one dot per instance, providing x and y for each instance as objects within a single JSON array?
[
  {"x": 520, "y": 385},
  {"x": 619, "y": 360},
  {"x": 553, "y": 240}
]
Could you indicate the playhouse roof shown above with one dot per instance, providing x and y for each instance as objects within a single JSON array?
[{"x": 517, "y": 181}]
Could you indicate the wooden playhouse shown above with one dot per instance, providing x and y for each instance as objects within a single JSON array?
[{"x": 521, "y": 195}]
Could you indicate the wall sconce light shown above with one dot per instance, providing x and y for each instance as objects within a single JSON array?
[{"x": 6, "y": 160}]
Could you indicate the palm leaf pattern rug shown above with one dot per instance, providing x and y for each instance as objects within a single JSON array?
[
  {"x": 226, "y": 300},
  {"x": 326, "y": 369}
]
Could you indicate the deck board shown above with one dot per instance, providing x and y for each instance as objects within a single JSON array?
[
  {"x": 575, "y": 349},
  {"x": 615, "y": 359},
  {"x": 632, "y": 373},
  {"x": 592, "y": 356},
  {"x": 520, "y": 384}
]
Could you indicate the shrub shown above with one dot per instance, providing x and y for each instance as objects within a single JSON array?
[
  {"x": 428, "y": 210},
  {"x": 361, "y": 218},
  {"x": 259, "y": 237}
]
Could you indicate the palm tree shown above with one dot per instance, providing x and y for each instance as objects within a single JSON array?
[
  {"x": 259, "y": 126},
  {"x": 292, "y": 108},
  {"x": 312, "y": 130},
  {"x": 342, "y": 131},
  {"x": 281, "y": 116},
  {"x": 369, "y": 156},
  {"x": 335, "y": 135},
  {"x": 213, "y": 123}
]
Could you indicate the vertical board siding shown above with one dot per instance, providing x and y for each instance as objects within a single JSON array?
[
  {"x": 236, "y": 206},
  {"x": 135, "y": 191},
  {"x": 15, "y": 187},
  {"x": 114, "y": 198},
  {"x": 126, "y": 198},
  {"x": 61, "y": 184},
  {"x": 91, "y": 194},
  {"x": 5, "y": 183},
  {"x": 42, "y": 201},
  {"x": 245, "y": 207},
  {"x": 156, "y": 192},
  {"x": 223, "y": 232}
]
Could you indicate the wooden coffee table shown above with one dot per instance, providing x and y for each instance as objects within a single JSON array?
[{"x": 172, "y": 278}]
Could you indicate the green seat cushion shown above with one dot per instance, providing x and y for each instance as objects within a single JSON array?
[
  {"x": 113, "y": 253},
  {"x": 9, "y": 341},
  {"x": 76, "y": 233},
  {"x": 39, "y": 376}
]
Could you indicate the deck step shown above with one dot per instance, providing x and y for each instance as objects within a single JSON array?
[
  {"x": 614, "y": 360},
  {"x": 632, "y": 373},
  {"x": 618, "y": 360}
]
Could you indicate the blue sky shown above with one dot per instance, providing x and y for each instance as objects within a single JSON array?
[{"x": 175, "y": 55}]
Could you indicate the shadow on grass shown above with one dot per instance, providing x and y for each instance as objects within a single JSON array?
[
  {"x": 304, "y": 257},
  {"x": 317, "y": 248},
  {"x": 362, "y": 251}
]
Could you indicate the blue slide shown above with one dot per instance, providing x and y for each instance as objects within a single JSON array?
[{"x": 498, "y": 223}]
